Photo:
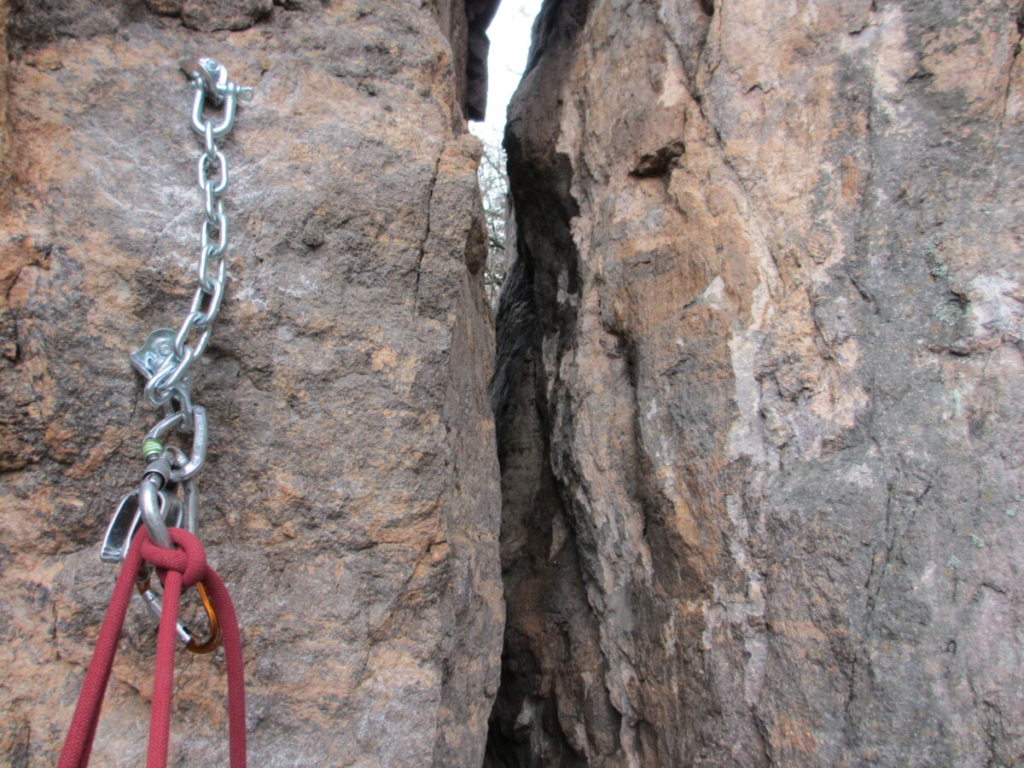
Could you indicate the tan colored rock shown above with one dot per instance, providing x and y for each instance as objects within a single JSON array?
[
  {"x": 762, "y": 463},
  {"x": 350, "y": 498}
]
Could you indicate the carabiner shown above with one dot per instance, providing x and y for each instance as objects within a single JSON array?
[
  {"x": 180, "y": 473},
  {"x": 212, "y": 641},
  {"x": 118, "y": 538},
  {"x": 128, "y": 518},
  {"x": 176, "y": 515},
  {"x": 153, "y": 603},
  {"x": 164, "y": 425},
  {"x": 122, "y": 527},
  {"x": 153, "y": 506},
  {"x": 192, "y": 641}
]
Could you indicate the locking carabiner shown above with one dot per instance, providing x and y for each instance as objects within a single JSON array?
[
  {"x": 152, "y": 511},
  {"x": 153, "y": 506}
]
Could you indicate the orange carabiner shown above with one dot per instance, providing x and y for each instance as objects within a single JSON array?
[
  {"x": 212, "y": 642},
  {"x": 195, "y": 644}
]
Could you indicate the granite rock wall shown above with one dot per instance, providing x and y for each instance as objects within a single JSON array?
[
  {"x": 351, "y": 496},
  {"x": 760, "y": 364}
]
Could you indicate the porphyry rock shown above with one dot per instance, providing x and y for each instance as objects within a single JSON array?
[
  {"x": 761, "y": 450},
  {"x": 350, "y": 496}
]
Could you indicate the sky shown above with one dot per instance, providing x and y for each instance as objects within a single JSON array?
[{"x": 510, "y": 43}]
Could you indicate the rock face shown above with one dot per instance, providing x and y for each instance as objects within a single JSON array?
[
  {"x": 759, "y": 376},
  {"x": 351, "y": 495}
]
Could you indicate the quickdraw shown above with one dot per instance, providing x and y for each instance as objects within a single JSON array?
[{"x": 154, "y": 528}]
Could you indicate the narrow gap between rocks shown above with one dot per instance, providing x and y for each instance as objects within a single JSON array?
[
  {"x": 528, "y": 197},
  {"x": 509, "y": 34}
]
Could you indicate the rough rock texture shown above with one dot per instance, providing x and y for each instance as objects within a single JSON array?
[
  {"x": 760, "y": 365},
  {"x": 351, "y": 493}
]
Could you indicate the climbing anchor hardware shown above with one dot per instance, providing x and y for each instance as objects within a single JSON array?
[
  {"x": 154, "y": 527},
  {"x": 166, "y": 358}
]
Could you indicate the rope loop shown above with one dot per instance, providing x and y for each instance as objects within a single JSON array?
[{"x": 185, "y": 565}]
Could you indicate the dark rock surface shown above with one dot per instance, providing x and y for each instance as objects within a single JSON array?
[
  {"x": 759, "y": 387},
  {"x": 350, "y": 497}
]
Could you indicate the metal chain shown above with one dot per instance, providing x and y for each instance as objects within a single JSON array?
[
  {"x": 165, "y": 360},
  {"x": 167, "y": 368}
]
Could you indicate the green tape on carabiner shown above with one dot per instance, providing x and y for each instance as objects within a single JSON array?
[{"x": 151, "y": 448}]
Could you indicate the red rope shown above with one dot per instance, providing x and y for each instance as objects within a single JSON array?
[{"x": 178, "y": 569}]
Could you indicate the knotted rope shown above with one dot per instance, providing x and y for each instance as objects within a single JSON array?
[{"x": 178, "y": 569}]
